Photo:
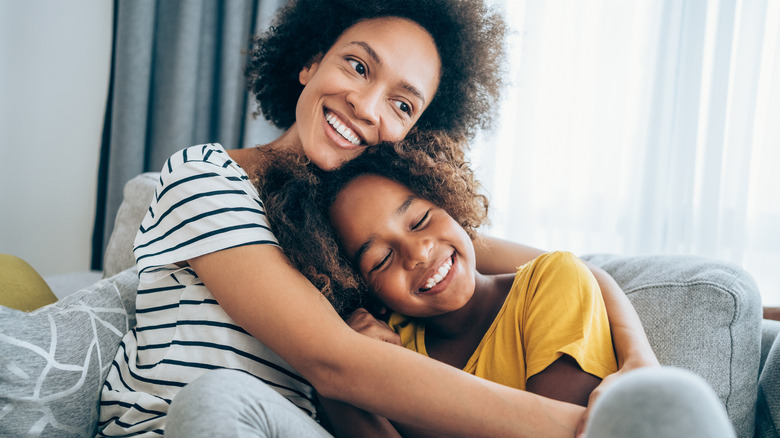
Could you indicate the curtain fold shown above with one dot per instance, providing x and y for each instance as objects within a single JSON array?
[
  {"x": 177, "y": 80},
  {"x": 645, "y": 127}
]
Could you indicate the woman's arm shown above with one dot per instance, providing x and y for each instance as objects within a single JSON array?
[
  {"x": 496, "y": 256},
  {"x": 346, "y": 420},
  {"x": 257, "y": 286}
]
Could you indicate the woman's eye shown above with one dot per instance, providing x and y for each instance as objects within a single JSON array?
[
  {"x": 403, "y": 106},
  {"x": 359, "y": 67},
  {"x": 421, "y": 221}
]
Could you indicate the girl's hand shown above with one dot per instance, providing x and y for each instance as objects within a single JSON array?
[{"x": 364, "y": 323}]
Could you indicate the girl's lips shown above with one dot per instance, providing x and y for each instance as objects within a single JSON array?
[
  {"x": 442, "y": 285},
  {"x": 335, "y": 136}
]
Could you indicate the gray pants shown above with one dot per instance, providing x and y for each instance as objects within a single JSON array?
[
  {"x": 768, "y": 404},
  {"x": 647, "y": 403},
  {"x": 231, "y": 404},
  {"x": 659, "y": 402}
]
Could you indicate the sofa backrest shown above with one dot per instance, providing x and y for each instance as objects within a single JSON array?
[{"x": 137, "y": 194}]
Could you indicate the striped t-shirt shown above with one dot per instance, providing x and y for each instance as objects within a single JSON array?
[{"x": 204, "y": 202}]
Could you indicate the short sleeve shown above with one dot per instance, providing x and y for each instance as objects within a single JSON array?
[
  {"x": 203, "y": 203},
  {"x": 564, "y": 313}
]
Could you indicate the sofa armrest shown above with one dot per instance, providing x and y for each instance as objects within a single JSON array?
[
  {"x": 702, "y": 315},
  {"x": 137, "y": 195}
]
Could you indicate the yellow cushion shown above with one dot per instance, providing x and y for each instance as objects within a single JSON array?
[{"x": 21, "y": 287}]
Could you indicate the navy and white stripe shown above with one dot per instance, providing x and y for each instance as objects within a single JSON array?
[{"x": 204, "y": 203}]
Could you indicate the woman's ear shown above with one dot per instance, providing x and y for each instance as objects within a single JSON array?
[{"x": 309, "y": 69}]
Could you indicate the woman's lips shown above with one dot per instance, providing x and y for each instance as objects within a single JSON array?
[{"x": 339, "y": 132}]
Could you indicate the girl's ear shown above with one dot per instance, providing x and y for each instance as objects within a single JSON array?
[{"x": 309, "y": 69}]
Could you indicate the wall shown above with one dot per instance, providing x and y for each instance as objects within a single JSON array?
[{"x": 54, "y": 69}]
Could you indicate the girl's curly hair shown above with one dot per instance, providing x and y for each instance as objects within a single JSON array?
[
  {"x": 298, "y": 196},
  {"x": 468, "y": 35}
]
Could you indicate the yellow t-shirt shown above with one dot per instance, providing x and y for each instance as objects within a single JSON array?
[{"x": 554, "y": 308}]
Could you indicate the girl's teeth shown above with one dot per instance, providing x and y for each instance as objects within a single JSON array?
[{"x": 439, "y": 275}]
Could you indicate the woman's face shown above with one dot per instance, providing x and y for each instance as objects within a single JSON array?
[
  {"x": 371, "y": 86},
  {"x": 415, "y": 258}
]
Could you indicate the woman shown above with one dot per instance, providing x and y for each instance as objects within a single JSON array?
[{"x": 216, "y": 291}]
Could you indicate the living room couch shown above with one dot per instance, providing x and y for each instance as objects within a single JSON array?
[{"x": 699, "y": 314}]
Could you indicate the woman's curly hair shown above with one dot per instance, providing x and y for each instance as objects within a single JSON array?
[
  {"x": 468, "y": 35},
  {"x": 298, "y": 196}
]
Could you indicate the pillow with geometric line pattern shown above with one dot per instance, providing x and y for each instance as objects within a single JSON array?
[{"x": 54, "y": 360}]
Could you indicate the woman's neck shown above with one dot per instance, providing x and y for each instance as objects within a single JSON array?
[{"x": 250, "y": 158}]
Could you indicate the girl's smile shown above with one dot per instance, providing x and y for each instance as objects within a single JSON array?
[
  {"x": 415, "y": 257},
  {"x": 440, "y": 278}
]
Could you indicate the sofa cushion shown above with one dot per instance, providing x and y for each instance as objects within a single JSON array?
[
  {"x": 53, "y": 361},
  {"x": 702, "y": 315}
]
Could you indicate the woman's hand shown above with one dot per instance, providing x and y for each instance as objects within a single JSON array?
[
  {"x": 364, "y": 323},
  {"x": 606, "y": 383}
]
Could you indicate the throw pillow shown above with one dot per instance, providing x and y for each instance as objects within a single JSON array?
[
  {"x": 21, "y": 287},
  {"x": 53, "y": 361}
]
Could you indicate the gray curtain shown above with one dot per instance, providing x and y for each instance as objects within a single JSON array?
[{"x": 177, "y": 80}]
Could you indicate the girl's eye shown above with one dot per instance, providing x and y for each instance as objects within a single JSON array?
[
  {"x": 359, "y": 68},
  {"x": 381, "y": 263},
  {"x": 421, "y": 222},
  {"x": 403, "y": 106}
]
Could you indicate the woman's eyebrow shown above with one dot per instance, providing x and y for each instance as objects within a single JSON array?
[
  {"x": 371, "y": 52},
  {"x": 375, "y": 56}
]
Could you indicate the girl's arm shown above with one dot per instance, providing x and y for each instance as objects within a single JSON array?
[
  {"x": 348, "y": 421},
  {"x": 258, "y": 287},
  {"x": 496, "y": 256}
]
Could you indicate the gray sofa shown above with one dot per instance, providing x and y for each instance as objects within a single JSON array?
[{"x": 699, "y": 314}]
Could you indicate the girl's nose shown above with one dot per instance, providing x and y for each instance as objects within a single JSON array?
[
  {"x": 417, "y": 250},
  {"x": 366, "y": 104}
]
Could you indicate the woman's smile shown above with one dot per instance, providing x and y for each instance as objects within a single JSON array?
[
  {"x": 339, "y": 131},
  {"x": 370, "y": 87}
]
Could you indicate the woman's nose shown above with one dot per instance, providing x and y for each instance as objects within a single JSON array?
[
  {"x": 416, "y": 251},
  {"x": 366, "y": 104}
]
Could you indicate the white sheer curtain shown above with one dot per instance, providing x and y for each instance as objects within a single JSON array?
[{"x": 642, "y": 127}]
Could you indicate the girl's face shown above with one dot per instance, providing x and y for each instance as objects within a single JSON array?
[
  {"x": 371, "y": 86},
  {"x": 415, "y": 258}
]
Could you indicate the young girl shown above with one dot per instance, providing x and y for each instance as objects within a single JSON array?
[
  {"x": 217, "y": 293},
  {"x": 405, "y": 226}
]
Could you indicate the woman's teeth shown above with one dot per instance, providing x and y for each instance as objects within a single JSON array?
[
  {"x": 343, "y": 130},
  {"x": 440, "y": 274}
]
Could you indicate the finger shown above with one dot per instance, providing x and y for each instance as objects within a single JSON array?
[
  {"x": 580, "y": 431},
  {"x": 594, "y": 395},
  {"x": 385, "y": 334},
  {"x": 395, "y": 339}
]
